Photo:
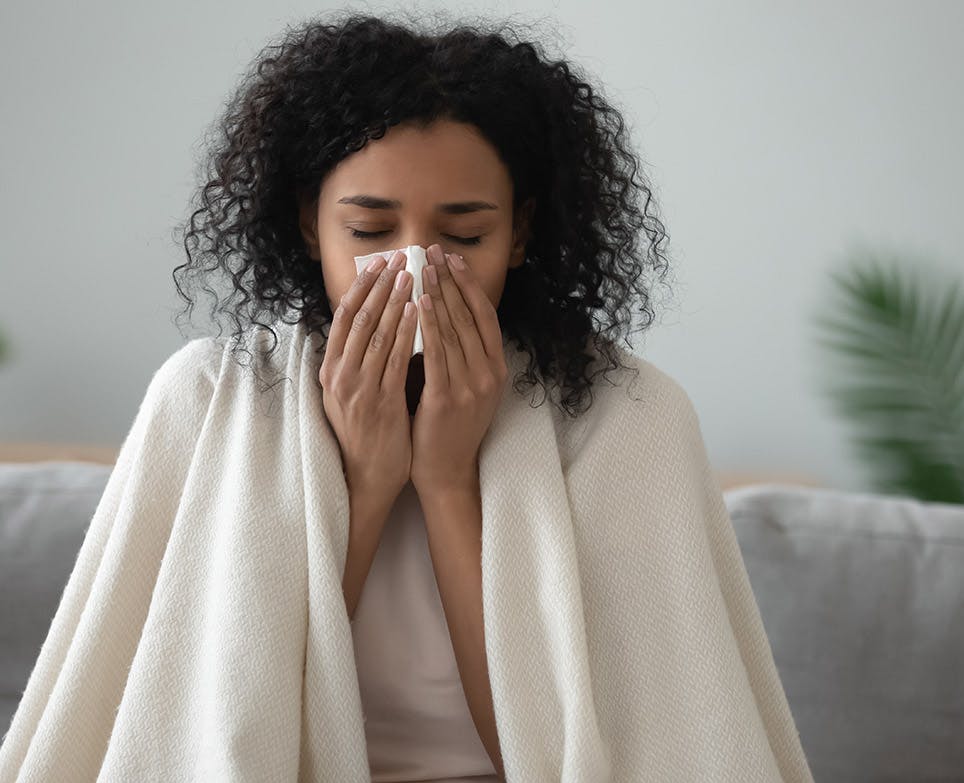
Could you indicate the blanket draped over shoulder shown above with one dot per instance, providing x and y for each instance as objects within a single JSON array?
[{"x": 203, "y": 633}]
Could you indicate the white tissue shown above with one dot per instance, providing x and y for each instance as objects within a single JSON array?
[{"x": 415, "y": 261}]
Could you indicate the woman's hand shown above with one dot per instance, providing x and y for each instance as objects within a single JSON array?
[
  {"x": 465, "y": 374},
  {"x": 363, "y": 378}
]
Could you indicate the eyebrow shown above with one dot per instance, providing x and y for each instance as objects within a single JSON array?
[{"x": 452, "y": 208}]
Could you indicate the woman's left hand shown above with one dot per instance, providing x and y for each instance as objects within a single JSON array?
[{"x": 465, "y": 374}]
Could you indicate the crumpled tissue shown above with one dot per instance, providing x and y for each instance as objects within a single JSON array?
[{"x": 415, "y": 261}]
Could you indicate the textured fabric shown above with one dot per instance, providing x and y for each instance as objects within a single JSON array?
[
  {"x": 417, "y": 722},
  {"x": 203, "y": 633}
]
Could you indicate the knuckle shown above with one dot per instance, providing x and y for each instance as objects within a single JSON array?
[
  {"x": 362, "y": 318},
  {"x": 342, "y": 312},
  {"x": 464, "y": 317},
  {"x": 386, "y": 277},
  {"x": 395, "y": 361},
  {"x": 450, "y": 335},
  {"x": 487, "y": 385},
  {"x": 377, "y": 342}
]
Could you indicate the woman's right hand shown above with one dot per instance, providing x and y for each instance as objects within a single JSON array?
[{"x": 363, "y": 380}]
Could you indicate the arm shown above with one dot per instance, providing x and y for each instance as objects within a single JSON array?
[
  {"x": 366, "y": 523},
  {"x": 453, "y": 521}
]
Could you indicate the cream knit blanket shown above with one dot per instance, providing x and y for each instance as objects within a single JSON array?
[{"x": 203, "y": 635}]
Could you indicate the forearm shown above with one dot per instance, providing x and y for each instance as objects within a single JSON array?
[
  {"x": 364, "y": 532},
  {"x": 453, "y": 522}
]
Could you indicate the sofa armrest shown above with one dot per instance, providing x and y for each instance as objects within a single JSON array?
[{"x": 60, "y": 452}]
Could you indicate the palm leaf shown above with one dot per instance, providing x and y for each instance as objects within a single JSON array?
[{"x": 895, "y": 370}]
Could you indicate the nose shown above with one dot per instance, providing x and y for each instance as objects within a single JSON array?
[{"x": 406, "y": 241}]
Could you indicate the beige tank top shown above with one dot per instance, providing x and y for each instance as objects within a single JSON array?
[{"x": 417, "y": 722}]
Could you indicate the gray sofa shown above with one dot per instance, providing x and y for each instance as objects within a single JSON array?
[{"x": 862, "y": 598}]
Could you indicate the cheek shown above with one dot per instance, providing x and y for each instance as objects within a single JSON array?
[
  {"x": 496, "y": 296},
  {"x": 493, "y": 283},
  {"x": 492, "y": 280},
  {"x": 493, "y": 290},
  {"x": 337, "y": 282}
]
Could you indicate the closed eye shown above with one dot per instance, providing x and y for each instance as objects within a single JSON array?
[{"x": 372, "y": 234}]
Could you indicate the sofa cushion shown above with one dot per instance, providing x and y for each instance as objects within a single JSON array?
[
  {"x": 862, "y": 599},
  {"x": 45, "y": 510}
]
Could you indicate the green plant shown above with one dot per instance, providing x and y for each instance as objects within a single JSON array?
[{"x": 900, "y": 339}]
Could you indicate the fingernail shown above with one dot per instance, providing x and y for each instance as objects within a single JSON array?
[
  {"x": 456, "y": 261},
  {"x": 375, "y": 263},
  {"x": 435, "y": 255},
  {"x": 432, "y": 275},
  {"x": 400, "y": 280}
]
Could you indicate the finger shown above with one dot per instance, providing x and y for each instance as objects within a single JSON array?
[
  {"x": 344, "y": 314},
  {"x": 396, "y": 373},
  {"x": 436, "y": 373},
  {"x": 460, "y": 315},
  {"x": 385, "y": 334},
  {"x": 366, "y": 319},
  {"x": 445, "y": 329},
  {"x": 483, "y": 311}
]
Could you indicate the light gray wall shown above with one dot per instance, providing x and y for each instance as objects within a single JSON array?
[{"x": 778, "y": 137}]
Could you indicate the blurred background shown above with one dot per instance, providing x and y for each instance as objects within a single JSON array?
[{"x": 782, "y": 141}]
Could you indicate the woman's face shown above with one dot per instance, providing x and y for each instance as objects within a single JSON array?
[{"x": 443, "y": 185}]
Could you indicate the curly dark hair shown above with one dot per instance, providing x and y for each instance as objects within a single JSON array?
[{"x": 327, "y": 88}]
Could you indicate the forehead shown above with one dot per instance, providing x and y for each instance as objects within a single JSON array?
[{"x": 413, "y": 161}]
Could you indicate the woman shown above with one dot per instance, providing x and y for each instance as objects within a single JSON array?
[{"x": 354, "y": 137}]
